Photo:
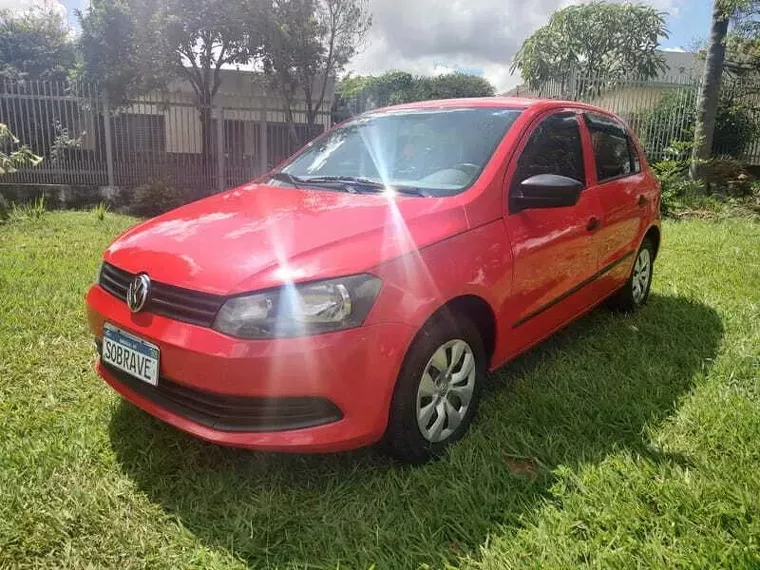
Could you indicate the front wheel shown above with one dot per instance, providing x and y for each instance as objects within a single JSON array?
[
  {"x": 438, "y": 390},
  {"x": 635, "y": 292}
]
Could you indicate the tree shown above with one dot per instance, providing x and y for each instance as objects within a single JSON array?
[
  {"x": 146, "y": 43},
  {"x": 35, "y": 44},
  {"x": 707, "y": 104},
  {"x": 193, "y": 41},
  {"x": 291, "y": 52},
  {"x": 456, "y": 85},
  {"x": 744, "y": 55},
  {"x": 357, "y": 94},
  {"x": 307, "y": 43},
  {"x": 743, "y": 38},
  {"x": 599, "y": 39},
  {"x": 108, "y": 45}
]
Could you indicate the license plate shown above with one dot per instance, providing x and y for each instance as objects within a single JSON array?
[{"x": 130, "y": 354}]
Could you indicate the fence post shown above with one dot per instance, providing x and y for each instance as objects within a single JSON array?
[
  {"x": 263, "y": 143},
  {"x": 109, "y": 140},
  {"x": 221, "y": 182}
]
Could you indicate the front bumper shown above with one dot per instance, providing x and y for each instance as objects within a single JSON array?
[{"x": 340, "y": 383}]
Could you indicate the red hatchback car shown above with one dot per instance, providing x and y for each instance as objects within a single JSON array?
[{"x": 360, "y": 292}]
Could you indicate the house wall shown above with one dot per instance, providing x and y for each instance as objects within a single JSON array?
[
  {"x": 183, "y": 126},
  {"x": 243, "y": 96},
  {"x": 631, "y": 99}
]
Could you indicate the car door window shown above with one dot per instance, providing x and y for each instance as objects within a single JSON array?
[
  {"x": 614, "y": 153},
  {"x": 553, "y": 148}
]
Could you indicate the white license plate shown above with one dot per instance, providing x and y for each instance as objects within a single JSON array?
[{"x": 130, "y": 354}]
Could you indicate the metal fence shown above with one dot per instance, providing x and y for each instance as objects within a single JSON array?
[
  {"x": 84, "y": 140},
  {"x": 164, "y": 136},
  {"x": 660, "y": 112}
]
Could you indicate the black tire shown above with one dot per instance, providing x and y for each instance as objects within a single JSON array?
[
  {"x": 403, "y": 438},
  {"x": 628, "y": 298}
]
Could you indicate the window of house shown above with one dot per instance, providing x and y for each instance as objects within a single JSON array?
[
  {"x": 139, "y": 133},
  {"x": 234, "y": 139},
  {"x": 614, "y": 152},
  {"x": 281, "y": 143},
  {"x": 553, "y": 148}
]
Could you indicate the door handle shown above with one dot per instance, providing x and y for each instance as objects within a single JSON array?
[
  {"x": 642, "y": 201},
  {"x": 593, "y": 224}
]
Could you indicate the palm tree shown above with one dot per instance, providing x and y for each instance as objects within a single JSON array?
[{"x": 707, "y": 105}]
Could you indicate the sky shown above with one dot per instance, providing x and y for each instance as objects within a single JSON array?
[{"x": 475, "y": 36}]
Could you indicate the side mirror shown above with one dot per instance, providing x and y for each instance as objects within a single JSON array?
[{"x": 545, "y": 191}]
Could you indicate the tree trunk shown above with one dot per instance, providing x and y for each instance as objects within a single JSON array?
[
  {"x": 207, "y": 133},
  {"x": 207, "y": 150},
  {"x": 707, "y": 105},
  {"x": 208, "y": 161},
  {"x": 295, "y": 140}
]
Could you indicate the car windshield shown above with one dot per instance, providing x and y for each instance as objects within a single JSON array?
[{"x": 425, "y": 152}]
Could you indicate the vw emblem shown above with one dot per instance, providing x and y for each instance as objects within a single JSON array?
[{"x": 138, "y": 293}]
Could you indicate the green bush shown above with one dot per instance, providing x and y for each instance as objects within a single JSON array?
[
  {"x": 156, "y": 198},
  {"x": 677, "y": 194},
  {"x": 735, "y": 129}
]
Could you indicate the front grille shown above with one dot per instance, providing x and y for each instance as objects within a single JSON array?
[
  {"x": 165, "y": 300},
  {"x": 233, "y": 413}
]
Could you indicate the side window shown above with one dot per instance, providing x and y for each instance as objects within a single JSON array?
[
  {"x": 614, "y": 152},
  {"x": 554, "y": 148}
]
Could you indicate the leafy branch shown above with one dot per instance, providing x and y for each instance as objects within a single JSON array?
[{"x": 12, "y": 160}]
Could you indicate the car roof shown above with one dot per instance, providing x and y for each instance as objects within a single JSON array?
[{"x": 499, "y": 102}]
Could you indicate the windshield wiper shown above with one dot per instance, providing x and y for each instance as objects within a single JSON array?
[
  {"x": 289, "y": 178},
  {"x": 359, "y": 184},
  {"x": 366, "y": 182}
]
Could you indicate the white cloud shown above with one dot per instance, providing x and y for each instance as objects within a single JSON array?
[{"x": 431, "y": 36}]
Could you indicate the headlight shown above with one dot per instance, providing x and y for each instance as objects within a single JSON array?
[
  {"x": 300, "y": 309},
  {"x": 97, "y": 275}
]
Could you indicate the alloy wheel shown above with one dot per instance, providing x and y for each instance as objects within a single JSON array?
[
  {"x": 445, "y": 390},
  {"x": 642, "y": 273}
]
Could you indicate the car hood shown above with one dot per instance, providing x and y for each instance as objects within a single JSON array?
[{"x": 256, "y": 236}]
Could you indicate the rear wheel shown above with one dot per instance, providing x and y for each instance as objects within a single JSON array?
[
  {"x": 636, "y": 290},
  {"x": 438, "y": 390}
]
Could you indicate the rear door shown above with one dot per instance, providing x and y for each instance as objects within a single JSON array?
[
  {"x": 554, "y": 250},
  {"x": 622, "y": 190}
]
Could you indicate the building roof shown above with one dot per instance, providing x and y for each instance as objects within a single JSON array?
[{"x": 682, "y": 65}]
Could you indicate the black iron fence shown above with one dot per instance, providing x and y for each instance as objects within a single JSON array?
[{"x": 84, "y": 140}]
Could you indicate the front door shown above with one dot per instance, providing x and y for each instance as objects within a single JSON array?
[{"x": 554, "y": 249}]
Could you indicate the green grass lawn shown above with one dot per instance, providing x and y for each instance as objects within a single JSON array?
[{"x": 624, "y": 441}]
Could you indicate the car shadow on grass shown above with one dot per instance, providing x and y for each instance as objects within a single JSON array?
[{"x": 597, "y": 388}]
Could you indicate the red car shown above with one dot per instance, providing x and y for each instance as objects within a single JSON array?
[{"x": 360, "y": 292}]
